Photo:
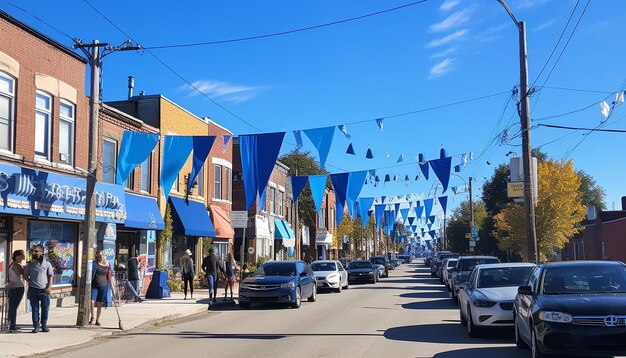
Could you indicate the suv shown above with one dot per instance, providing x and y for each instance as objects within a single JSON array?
[
  {"x": 381, "y": 260},
  {"x": 464, "y": 266}
]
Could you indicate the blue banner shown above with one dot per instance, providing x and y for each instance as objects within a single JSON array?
[{"x": 32, "y": 192}]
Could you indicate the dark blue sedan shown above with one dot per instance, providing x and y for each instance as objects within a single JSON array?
[{"x": 279, "y": 282}]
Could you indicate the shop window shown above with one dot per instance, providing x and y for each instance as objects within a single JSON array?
[
  {"x": 109, "y": 160},
  {"x": 58, "y": 241},
  {"x": 217, "y": 193},
  {"x": 145, "y": 175},
  {"x": 43, "y": 119},
  {"x": 66, "y": 132},
  {"x": 7, "y": 111}
]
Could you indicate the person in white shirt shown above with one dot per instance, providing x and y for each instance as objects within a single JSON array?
[{"x": 16, "y": 286}]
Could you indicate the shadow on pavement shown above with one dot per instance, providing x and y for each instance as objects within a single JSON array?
[
  {"x": 446, "y": 334},
  {"x": 491, "y": 352},
  {"x": 259, "y": 336},
  {"x": 431, "y": 294},
  {"x": 440, "y": 304}
]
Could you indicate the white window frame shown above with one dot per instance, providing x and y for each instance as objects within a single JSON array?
[
  {"x": 321, "y": 219},
  {"x": 47, "y": 112},
  {"x": 11, "y": 96},
  {"x": 281, "y": 198},
  {"x": 71, "y": 136},
  {"x": 146, "y": 167},
  {"x": 272, "y": 200},
  {"x": 331, "y": 219},
  {"x": 114, "y": 167},
  {"x": 217, "y": 182}
]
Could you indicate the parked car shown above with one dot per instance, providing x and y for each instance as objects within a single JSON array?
[
  {"x": 380, "y": 260},
  {"x": 406, "y": 259},
  {"x": 486, "y": 299},
  {"x": 380, "y": 268},
  {"x": 465, "y": 265},
  {"x": 427, "y": 261},
  {"x": 330, "y": 274},
  {"x": 344, "y": 262},
  {"x": 443, "y": 267},
  {"x": 279, "y": 282},
  {"x": 576, "y": 307},
  {"x": 438, "y": 260},
  {"x": 362, "y": 271},
  {"x": 446, "y": 274}
]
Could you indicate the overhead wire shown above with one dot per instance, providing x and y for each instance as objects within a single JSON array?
[
  {"x": 281, "y": 33},
  {"x": 56, "y": 29}
]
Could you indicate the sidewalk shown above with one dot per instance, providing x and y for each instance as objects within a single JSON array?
[{"x": 63, "y": 332}]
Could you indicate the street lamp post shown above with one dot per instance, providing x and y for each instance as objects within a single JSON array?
[{"x": 529, "y": 199}]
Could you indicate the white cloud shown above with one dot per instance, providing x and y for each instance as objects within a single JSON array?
[
  {"x": 449, "y": 5},
  {"x": 444, "y": 53},
  {"x": 456, "y": 19},
  {"x": 455, "y": 36},
  {"x": 544, "y": 25},
  {"x": 223, "y": 90},
  {"x": 442, "y": 68}
]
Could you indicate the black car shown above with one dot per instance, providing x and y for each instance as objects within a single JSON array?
[
  {"x": 362, "y": 271},
  {"x": 574, "y": 308},
  {"x": 380, "y": 260}
]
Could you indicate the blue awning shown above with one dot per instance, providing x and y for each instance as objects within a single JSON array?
[
  {"x": 191, "y": 218},
  {"x": 289, "y": 231},
  {"x": 142, "y": 212},
  {"x": 280, "y": 231}
]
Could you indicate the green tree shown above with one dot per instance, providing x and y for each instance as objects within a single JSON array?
[
  {"x": 303, "y": 163},
  {"x": 494, "y": 197},
  {"x": 459, "y": 225},
  {"x": 592, "y": 194}
]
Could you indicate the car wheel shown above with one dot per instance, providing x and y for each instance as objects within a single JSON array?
[
  {"x": 534, "y": 347},
  {"x": 347, "y": 285},
  {"x": 462, "y": 318},
  {"x": 338, "y": 289},
  {"x": 244, "y": 305},
  {"x": 519, "y": 342},
  {"x": 313, "y": 296},
  {"x": 298, "y": 302},
  {"x": 472, "y": 330}
]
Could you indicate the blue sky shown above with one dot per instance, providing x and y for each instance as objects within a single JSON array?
[{"x": 422, "y": 56}]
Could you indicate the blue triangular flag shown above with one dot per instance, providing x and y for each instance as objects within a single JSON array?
[
  {"x": 379, "y": 211},
  {"x": 424, "y": 168},
  {"x": 400, "y": 158},
  {"x": 369, "y": 154},
  {"x": 457, "y": 168},
  {"x": 428, "y": 204},
  {"x": 355, "y": 185},
  {"x": 350, "y": 149},
  {"x": 380, "y": 123},
  {"x": 443, "y": 200},
  {"x": 387, "y": 178},
  {"x": 344, "y": 130},
  {"x": 405, "y": 214},
  {"x": 321, "y": 138},
  {"x": 201, "y": 148},
  {"x": 134, "y": 149},
  {"x": 411, "y": 220},
  {"x": 317, "y": 183},
  {"x": 406, "y": 178},
  {"x": 432, "y": 219},
  {"x": 176, "y": 150},
  {"x": 441, "y": 167},
  {"x": 420, "y": 211},
  {"x": 297, "y": 184},
  {"x": 225, "y": 145},
  {"x": 298, "y": 135},
  {"x": 340, "y": 184}
]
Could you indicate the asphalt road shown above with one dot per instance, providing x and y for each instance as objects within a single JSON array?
[{"x": 408, "y": 314}]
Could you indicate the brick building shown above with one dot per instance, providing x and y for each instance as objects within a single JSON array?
[
  {"x": 326, "y": 225},
  {"x": 270, "y": 231},
  {"x": 44, "y": 131}
]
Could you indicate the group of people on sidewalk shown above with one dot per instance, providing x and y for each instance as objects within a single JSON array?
[{"x": 212, "y": 267}]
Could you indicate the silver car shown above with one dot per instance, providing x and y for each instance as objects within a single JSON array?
[
  {"x": 486, "y": 299},
  {"x": 330, "y": 274},
  {"x": 446, "y": 271}
]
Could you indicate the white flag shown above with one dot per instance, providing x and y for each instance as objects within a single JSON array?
[{"x": 604, "y": 109}]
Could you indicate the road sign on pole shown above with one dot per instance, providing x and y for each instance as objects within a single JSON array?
[{"x": 239, "y": 219}]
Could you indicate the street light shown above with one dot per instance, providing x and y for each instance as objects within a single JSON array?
[{"x": 529, "y": 200}]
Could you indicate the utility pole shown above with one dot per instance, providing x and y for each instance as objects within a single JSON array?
[
  {"x": 94, "y": 57},
  {"x": 471, "y": 202},
  {"x": 524, "y": 111}
]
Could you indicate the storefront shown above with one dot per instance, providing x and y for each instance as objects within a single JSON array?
[
  {"x": 191, "y": 222},
  {"x": 284, "y": 240},
  {"x": 48, "y": 208},
  {"x": 224, "y": 233},
  {"x": 323, "y": 240}
]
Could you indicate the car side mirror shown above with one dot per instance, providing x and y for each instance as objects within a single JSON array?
[{"x": 525, "y": 290}]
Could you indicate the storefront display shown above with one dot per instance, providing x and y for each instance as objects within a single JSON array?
[{"x": 58, "y": 240}]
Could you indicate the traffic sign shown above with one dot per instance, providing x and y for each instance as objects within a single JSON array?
[{"x": 239, "y": 219}]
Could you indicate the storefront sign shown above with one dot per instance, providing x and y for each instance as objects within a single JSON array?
[
  {"x": 32, "y": 192},
  {"x": 239, "y": 219}
]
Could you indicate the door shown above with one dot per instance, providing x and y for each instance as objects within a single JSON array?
[
  {"x": 343, "y": 274},
  {"x": 4, "y": 255}
]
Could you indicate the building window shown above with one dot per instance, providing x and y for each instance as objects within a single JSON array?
[
  {"x": 145, "y": 175},
  {"x": 272, "y": 200},
  {"x": 281, "y": 196},
  {"x": 130, "y": 181},
  {"x": 58, "y": 241},
  {"x": 43, "y": 117},
  {"x": 331, "y": 219},
  {"x": 109, "y": 160},
  {"x": 229, "y": 184},
  {"x": 217, "y": 194},
  {"x": 321, "y": 218},
  {"x": 7, "y": 113},
  {"x": 67, "y": 116},
  {"x": 201, "y": 182}
]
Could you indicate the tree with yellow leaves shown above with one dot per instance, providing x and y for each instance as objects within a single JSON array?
[{"x": 558, "y": 213}]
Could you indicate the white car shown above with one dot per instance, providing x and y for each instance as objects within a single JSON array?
[
  {"x": 446, "y": 271},
  {"x": 330, "y": 274},
  {"x": 486, "y": 299}
]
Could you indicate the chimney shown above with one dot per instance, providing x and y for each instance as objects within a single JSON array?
[
  {"x": 131, "y": 86},
  {"x": 623, "y": 202},
  {"x": 142, "y": 93}
]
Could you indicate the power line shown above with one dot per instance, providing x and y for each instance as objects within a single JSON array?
[
  {"x": 281, "y": 33},
  {"x": 577, "y": 90},
  {"x": 59, "y": 31},
  {"x": 582, "y": 129}
]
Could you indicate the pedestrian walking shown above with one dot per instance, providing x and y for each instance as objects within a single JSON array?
[
  {"x": 39, "y": 273},
  {"x": 231, "y": 266},
  {"x": 101, "y": 285},
  {"x": 212, "y": 267},
  {"x": 16, "y": 286},
  {"x": 188, "y": 271},
  {"x": 133, "y": 274}
]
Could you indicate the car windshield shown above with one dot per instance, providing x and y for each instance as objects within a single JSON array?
[
  {"x": 503, "y": 277},
  {"x": 378, "y": 260},
  {"x": 360, "y": 264},
  {"x": 323, "y": 266},
  {"x": 584, "y": 279},
  {"x": 276, "y": 269},
  {"x": 451, "y": 263},
  {"x": 469, "y": 263}
]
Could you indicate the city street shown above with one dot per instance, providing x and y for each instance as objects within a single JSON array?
[{"x": 408, "y": 314}]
